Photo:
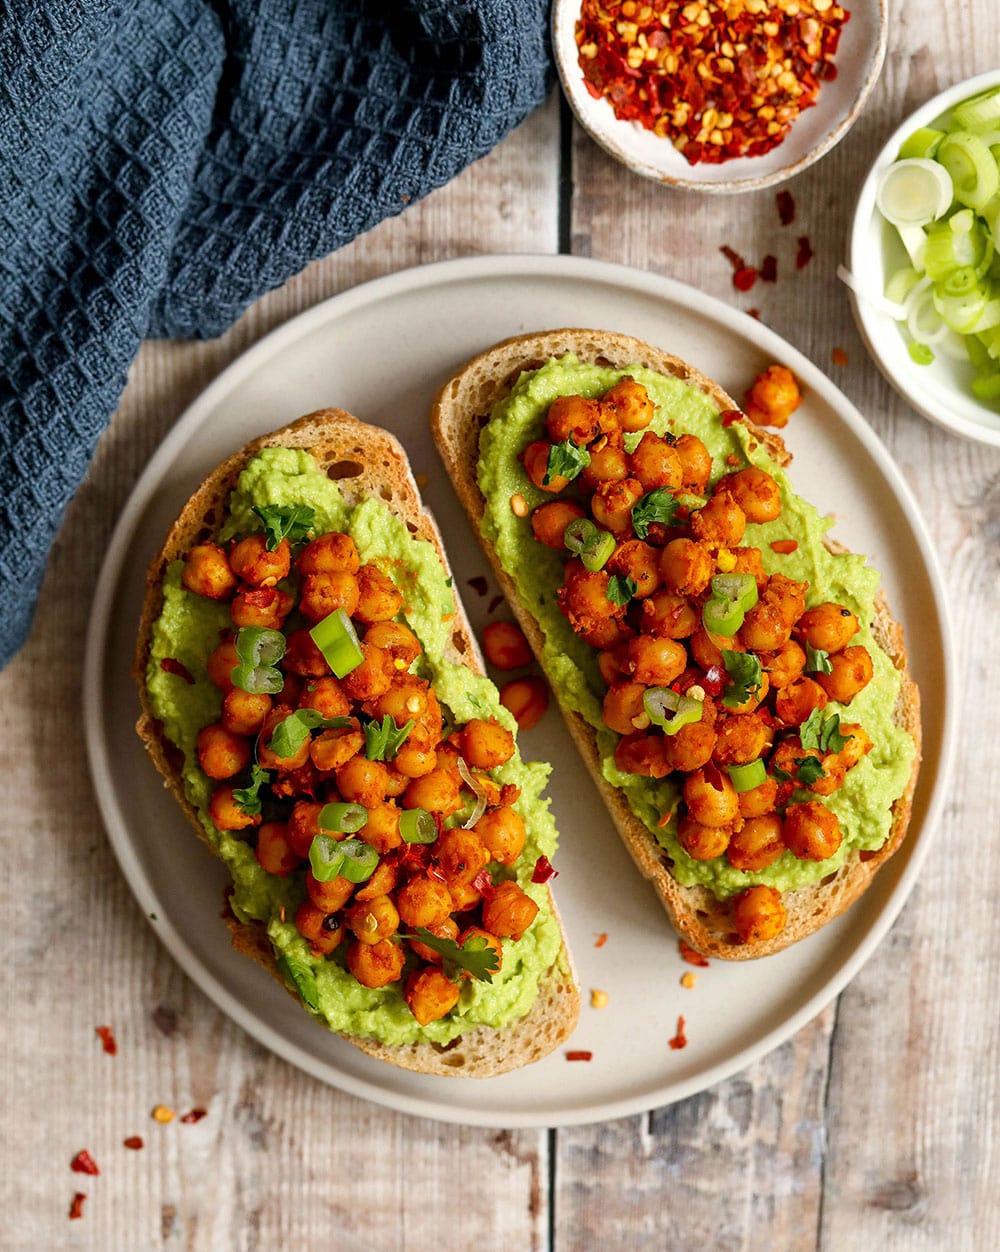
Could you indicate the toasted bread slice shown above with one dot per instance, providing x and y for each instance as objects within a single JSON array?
[
  {"x": 366, "y": 462},
  {"x": 461, "y": 409}
]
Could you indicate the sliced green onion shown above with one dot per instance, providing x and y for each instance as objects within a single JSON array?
[
  {"x": 257, "y": 679},
  {"x": 922, "y": 318},
  {"x": 920, "y": 353},
  {"x": 961, "y": 312},
  {"x": 577, "y": 533},
  {"x": 596, "y": 552},
  {"x": 973, "y": 170},
  {"x": 914, "y": 240},
  {"x": 670, "y": 710},
  {"x": 986, "y": 388},
  {"x": 417, "y": 826},
  {"x": 722, "y": 617},
  {"x": 740, "y": 588},
  {"x": 360, "y": 860},
  {"x": 901, "y": 283},
  {"x": 343, "y": 818},
  {"x": 913, "y": 192},
  {"x": 922, "y": 143},
  {"x": 981, "y": 112},
  {"x": 325, "y": 858},
  {"x": 256, "y": 645},
  {"x": 337, "y": 639},
  {"x": 746, "y": 777}
]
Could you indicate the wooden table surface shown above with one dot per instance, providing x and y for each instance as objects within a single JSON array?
[{"x": 875, "y": 1127}]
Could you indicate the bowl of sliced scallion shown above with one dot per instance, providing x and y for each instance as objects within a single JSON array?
[{"x": 924, "y": 259}]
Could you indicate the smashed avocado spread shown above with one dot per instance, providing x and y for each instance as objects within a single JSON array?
[
  {"x": 863, "y": 803},
  {"x": 187, "y": 631}
]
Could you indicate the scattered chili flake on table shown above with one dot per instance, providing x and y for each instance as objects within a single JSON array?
[
  {"x": 107, "y": 1040},
  {"x": 754, "y": 313},
  {"x": 76, "y": 1206},
  {"x": 786, "y": 207},
  {"x": 804, "y": 254},
  {"x": 579, "y": 1056},
  {"x": 784, "y": 547},
  {"x": 478, "y": 584},
  {"x": 839, "y": 356},
  {"x": 194, "y": 1116},
  {"x": 733, "y": 257},
  {"x": 690, "y": 955},
  {"x": 600, "y": 940},
  {"x": 744, "y": 278},
  {"x": 719, "y": 80},
  {"x": 83, "y": 1163},
  {"x": 680, "y": 1039},
  {"x": 543, "y": 870},
  {"x": 769, "y": 269},
  {"x": 171, "y": 665},
  {"x": 134, "y": 1142}
]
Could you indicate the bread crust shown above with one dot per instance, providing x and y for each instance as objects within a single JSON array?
[
  {"x": 367, "y": 462},
  {"x": 460, "y": 410}
]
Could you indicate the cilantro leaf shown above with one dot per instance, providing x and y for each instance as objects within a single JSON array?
[
  {"x": 822, "y": 732},
  {"x": 384, "y": 739},
  {"x": 248, "y": 798},
  {"x": 475, "y": 956},
  {"x": 810, "y": 770},
  {"x": 817, "y": 661},
  {"x": 746, "y": 674},
  {"x": 292, "y": 731},
  {"x": 782, "y": 775},
  {"x": 655, "y": 506},
  {"x": 299, "y": 973},
  {"x": 620, "y": 589},
  {"x": 285, "y": 521},
  {"x": 566, "y": 460}
]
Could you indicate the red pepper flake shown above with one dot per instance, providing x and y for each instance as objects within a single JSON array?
[
  {"x": 745, "y": 278},
  {"x": 784, "y": 546},
  {"x": 579, "y": 1055},
  {"x": 107, "y": 1040},
  {"x": 691, "y": 956},
  {"x": 76, "y": 1207},
  {"x": 495, "y": 604},
  {"x": 435, "y": 873},
  {"x": 134, "y": 1142},
  {"x": 839, "y": 356},
  {"x": 786, "y": 207},
  {"x": 483, "y": 883},
  {"x": 804, "y": 254},
  {"x": 170, "y": 665},
  {"x": 194, "y": 1116},
  {"x": 601, "y": 939},
  {"x": 734, "y": 258},
  {"x": 665, "y": 819},
  {"x": 732, "y": 459},
  {"x": 83, "y": 1163},
  {"x": 714, "y": 680},
  {"x": 728, "y": 416},
  {"x": 479, "y": 584},
  {"x": 680, "y": 1039},
  {"x": 543, "y": 870},
  {"x": 754, "y": 313},
  {"x": 769, "y": 269},
  {"x": 165, "y": 1019}
]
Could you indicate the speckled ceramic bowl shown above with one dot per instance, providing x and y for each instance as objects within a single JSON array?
[{"x": 859, "y": 60}]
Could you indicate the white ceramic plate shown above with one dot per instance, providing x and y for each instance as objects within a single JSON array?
[
  {"x": 381, "y": 351},
  {"x": 940, "y": 391},
  {"x": 858, "y": 59}
]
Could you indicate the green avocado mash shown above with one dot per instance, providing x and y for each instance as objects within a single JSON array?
[
  {"x": 863, "y": 803},
  {"x": 188, "y": 630}
]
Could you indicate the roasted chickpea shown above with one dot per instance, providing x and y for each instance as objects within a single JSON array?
[
  {"x": 379, "y": 599},
  {"x": 858, "y": 743},
  {"x": 410, "y": 699},
  {"x": 686, "y": 567},
  {"x": 326, "y": 696},
  {"x": 221, "y": 754},
  {"x": 436, "y": 791},
  {"x": 702, "y": 843},
  {"x": 329, "y": 554},
  {"x": 322, "y": 594},
  {"x": 785, "y": 666},
  {"x": 629, "y": 404},
  {"x": 536, "y": 466},
  {"x": 430, "y": 994},
  {"x": 332, "y": 749},
  {"x": 584, "y": 599},
  {"x": 323, "y": 930},
  {"x": 669, "y": 615},
  {"x": 711, "y": 797},
  {"x": 417, "y": 756},
  {"x": 397, "y": 640},
  {"x": 448, "y": 929},
  {"x": 795, "y": 703},
  {"x": 491, "y": 940},
  {"x": 226, "y": 814},
  {"x": 750, "y": 561},
  {"x": 361, "y": 781},
  {"x": 505, "y": 645},
  {"x": 655, "y": 463},
  {"x": 372, "y": 920},
  {"x": 757, "y": 844},
  {"x": 526, "y": 699},
  {"x": 706, "y": 648},
  {"x": 607, "y": 663},
  {"x": 266, "y": 756},
  {"x": 758, "y": 914},
  {"x": 376, "y": 964},
  {"x": 754, "y": 698},
  {"x": 612, "y": 504},
  {"x": 828, "y": 626},
  {"x": 623, "y": 710},
  {"x": 741, "y": 738},
  {"x": 510, "y": 911},
  {"x": 261, "y": 606},
  {"x": 460, "y": 855},
  {"x": 642, "y": 754},
  {"x": 251, "y": 561},
  {"x": 759, "y": 800},
  {"x": 612, "y": 632},
  {"x": 221, "y": 663},
  {"x": 382, "y": 882},
  {"x": 690, "y": 748},
  {"x": 774, "y": 397},
  {"x": 206, "y": 572},
  {"x": 465, "y": 896},
  {"x": 329, "y": 896},
  {"x": 289, "y": 784},
  {"x": 768, "y": 625},
  {"x": 696, "y": 463},
  {"x": 653, "y": 661},
  {"x": 638, "y": 561},
  {"x": 485, "y": 745},
  {"x": 303, "y": 826},
  {"x": 811, "y": 831},
  {"x": 423, "y": 902},
  {"x": 720, "y": 521},
  {"x": 275, "y": 855},
  {"x": 549, "y": 521},
  {"x": 607, "y": 465},
  {"x": 850, "y": 674},
  {"x": 302, "y": 656},
  {"x": 503, "y": 832},
  {"x": 573, "y": 417},
  {"x": 755, "y": 491},
  {"x": 243, "y": 713},
  {"x": 446, "y": 756},
  {"x": 372, "y": 678},
  {"x": 381, "y": 831}
]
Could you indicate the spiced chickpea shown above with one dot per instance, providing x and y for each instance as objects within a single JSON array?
[
  {"x": 784, "y": 666},
  {"x": 504, "y": 644},
  {"x": 755, "y": 491},
  {"x": 768, "y": 625},
  {"x": 583, "y": 598},
  {"x": 361, "y": 781},
  {"x": 323, "y": 594},
  {"x": 759, "y": 800},
  {"x": 491, "y": 940},
  {"x": 690, "y": 748},
  {"x": 251, "y": 561},
  {"x": 653, "y": 661},
  {"x": 485, "y": 745},
  {"x": 221, "y": 754},
  {"x": 612, "y": 504},
  {"x": 274, "y": 852},
  {"x": 686, "y": 567},
  {"x": 381, "y": 831},
  {"x": 448, "y": 929},
  {"x": 774, "y": 397},
  {"x": 509, "y": 912},
  {"x": 206, "y": 572},
  {"x": 536, "y": 466},
  {"x": 460, "y": 855},
  {"x": 720, "y": 521},
  {"x": 328, "y": 554},
  {"x": 549, "y": 521},
  {"x": 372, "y": 677},
  {"x": 702, "y": 843},
  {"x": 322, "y": 930},
  {"x": 706, "y": 648},
  {"x": 376, "y": 964},
  {"x": 291, "y": 784},
  {"x": 668, "y": 614},
  {"x": 811, "y": 831},
  {"x": 655, "y": 463},
  {"x": 221, "y": 663},
  {"x": 851, "y": 672},
  {"x": 410, "y": 699},
  {"x": 382, "y": 882},
  {"x": 266, "y": 755},
  {"x": 642, "y": 754},
  {"x": 465, "y": 896},
  {"x": 630, "y": 404},
  {"x": 696, "y": 463},
  {"x": 750, "y": 561},
  {"x": 430, "y": 994},
  {"x": 612, "y": 632},
  {"x": 607, "y": 465},
  {"x": 329, "y": 896},
  {"x": 758, "y": 914},
  {"x": 227, "y": 814},
  {"x": 261, "y": 606},
  {"x": 379, "y": 599},
  {"x": 243, "y": 712},
  {"x": 828, "y": 626},
  {"x": 303, "y": 825},
  {"x": 755, "y": 698},
  {"x": 436, "y": 791},
  {"x": 503, "y": 833},
  {"x": 858, "y": 743},
  {"x": 573, "y": 417},
  {"x": 794, "y": 704},
  {"x": 710, "y": 797},
  {"x": 397, "y": 640},
  {"x": 638, "y": 561},
  {"x": 423, "y": 902},
  {"x": 526, "y": 699},
  {"x": 372, "y": 920},
  {"x": 607, "y": 663},
  {"x": 302, "y": 656},
  {"x": 417, "y": 756},
  {"x": 623, "y": 710},
  {"x": 326, "y": 696},
  {"x": 757, "y": 844},
  {"x": 331, "y": 749},
  {"x": 741, "y": 738}
]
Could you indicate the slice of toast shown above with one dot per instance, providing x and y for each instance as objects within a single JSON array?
[
  {"x": 461, "y": 409},
  {"x": 366, "y": 462}
]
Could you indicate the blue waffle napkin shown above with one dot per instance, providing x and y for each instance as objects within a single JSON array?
[{"x": 165, "y": 162}]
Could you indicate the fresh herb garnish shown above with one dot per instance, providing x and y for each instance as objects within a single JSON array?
[
  {"x": 292, "y": 731},
  {"x": 285, "y": 521},
  {"x": 248, "y": 798},
  {"x": 621, "y": 589},
  {"x": 745, "y": 672},
  {"x": 782, "y": 775},
  {"x": 301, "y": 976},
  {"x": 822, "y": 732},
  {"x": 566, "y": 460},
  {"x": 384, "y": 739},
  {"x": 655, "y": 506},
  {"x": 817, "y": 661},
  {"x": 475, "y": 956},
  {"x": 810, "y": 770}
]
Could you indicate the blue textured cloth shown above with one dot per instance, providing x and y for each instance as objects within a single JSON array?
[{"x": 165, "y": 162}]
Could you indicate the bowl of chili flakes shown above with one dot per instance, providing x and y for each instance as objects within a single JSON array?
[{"x": 718, "y": 95}]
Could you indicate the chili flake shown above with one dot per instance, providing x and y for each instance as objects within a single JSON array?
[
  {"x": 714, "y": 681},
  {"x": 543, "y": 870},
  {"x": 107, "y": 1040},
  {"x": 754, "y": 313},
  {"x": 483, "y": 883},
  {"x": 730, "y": 416},
  {"x": 769, "y": 269},
  {"x": 478, "y": 584},
  {"x": 579, "y": 1055},
  {"x": 786, "y": 207},
  {"x": 601, "y": 939},
  {"x": 83, "y": 1163},
  {"x": 691, "y": 956},
  {"x": 170, "y": 665},
  {"x": 744, "y": 278},
  {"x": 839, "y": 356},
  {"x": 804, "y": 254},
  {"x": 784, "y": 546},
  {"x": 716, "y": 79},
  {"x": 680, "y": 1039},
  {"x": 194, "y": 1116},
  {"x": 134, "y": 1142},
  {"x": 76, "y": 1207},
  {"x": 495, "y": 604}
]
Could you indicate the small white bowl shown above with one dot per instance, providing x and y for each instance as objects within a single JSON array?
[
  {"x": 941, "y": 390},
  {"x": 858, "y": 60}
]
